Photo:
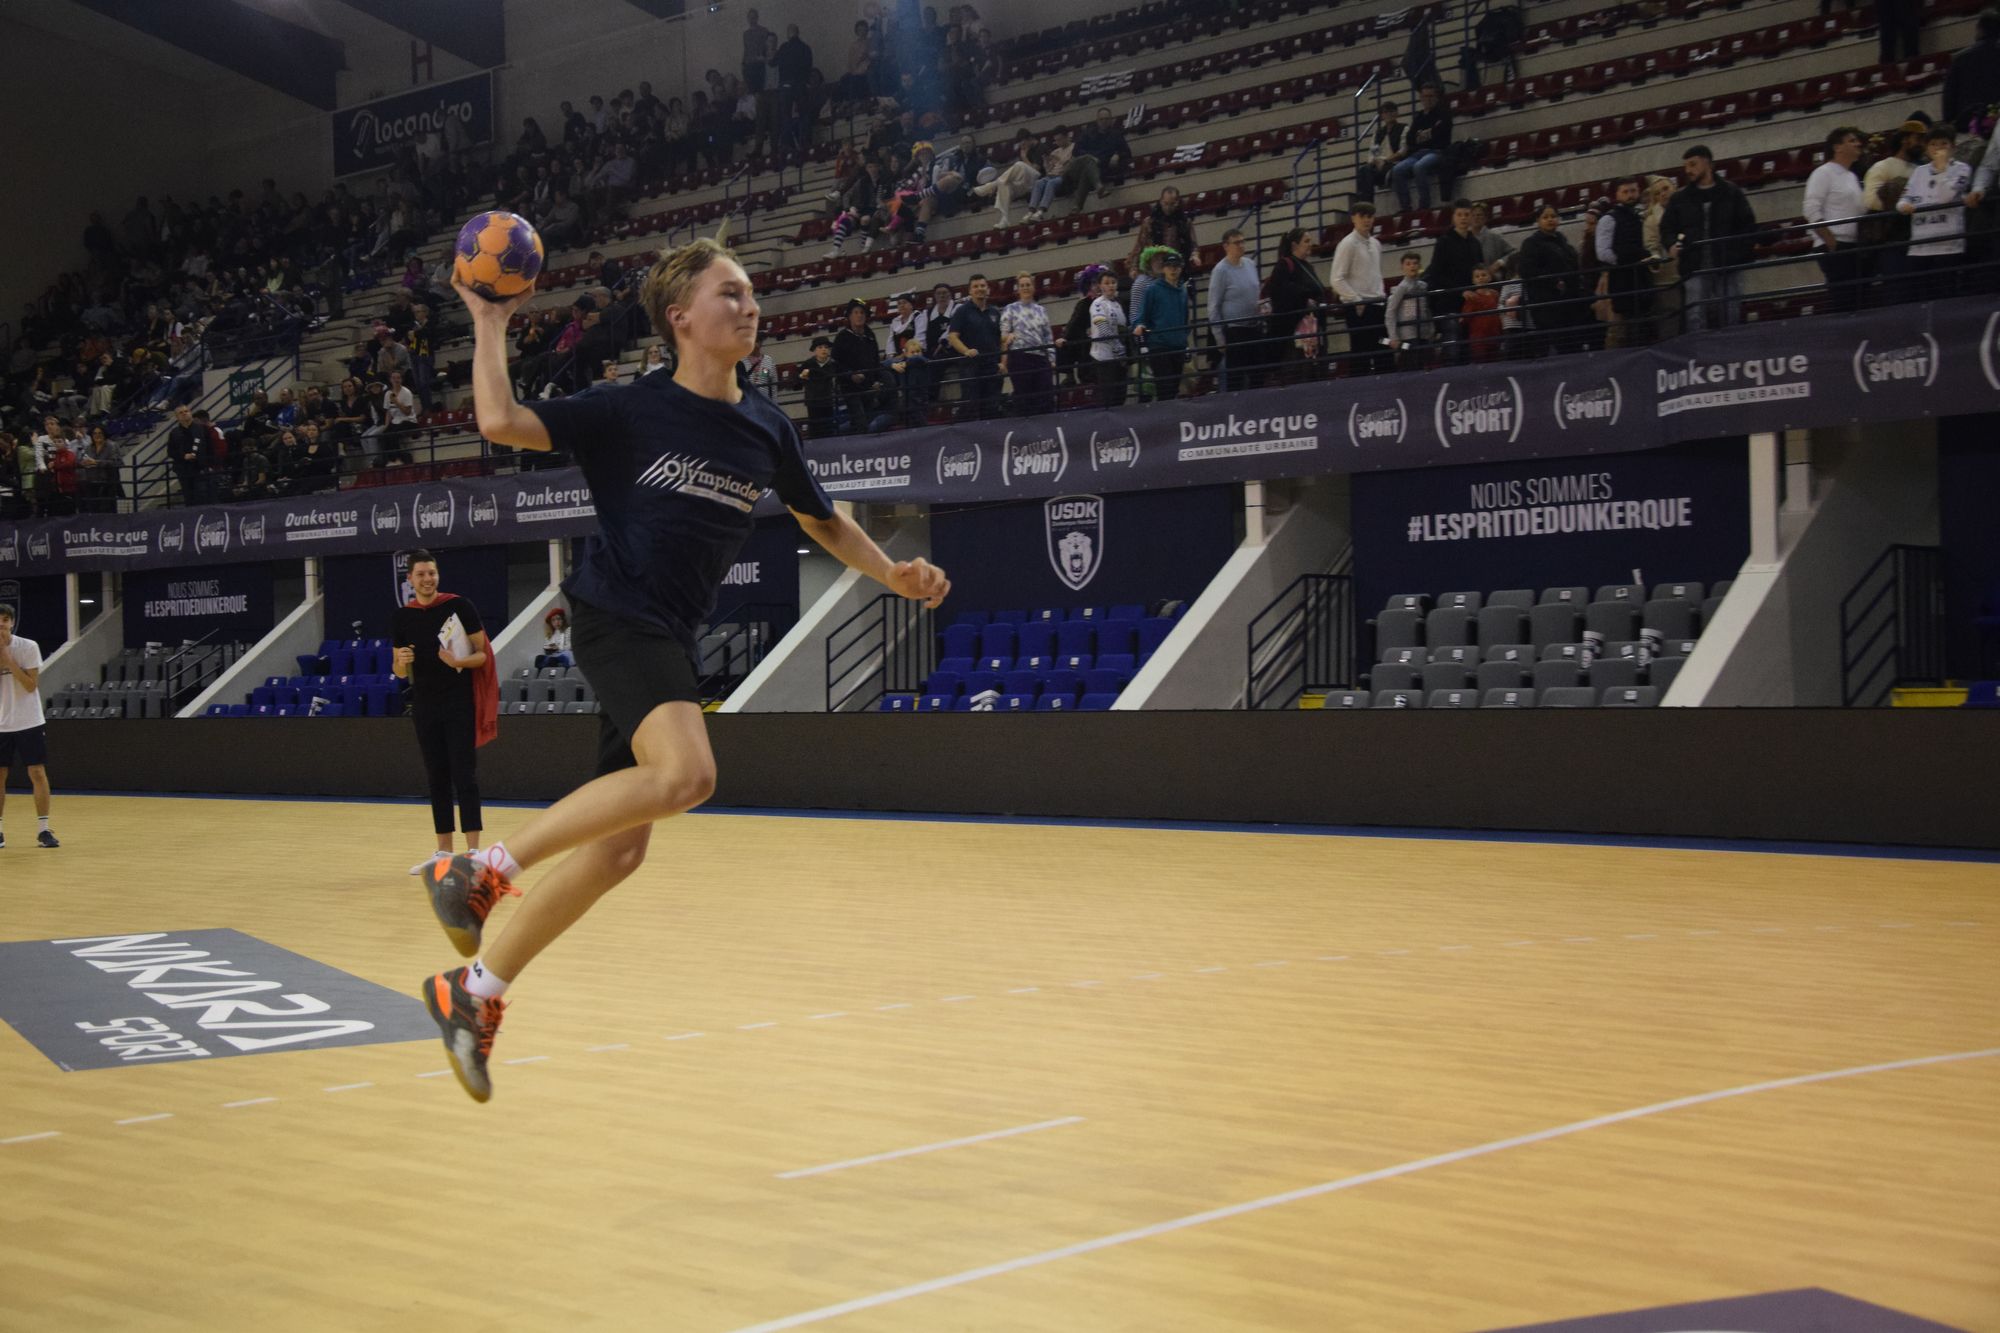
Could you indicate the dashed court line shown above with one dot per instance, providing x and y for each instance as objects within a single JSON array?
[
  {"x": 146, "y": 1119},
  {"x": 248, "y": 1101},
  {"x": 347, "y": 1087}
]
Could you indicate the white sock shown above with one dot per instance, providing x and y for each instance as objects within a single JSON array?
[
  {"x": 43, "y": 820},
  {"x": 483, "y": 983},
  {"x": 496, "y": 856}
]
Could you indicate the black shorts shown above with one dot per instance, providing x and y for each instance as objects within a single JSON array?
[
  {"x": 29, "y": 748},
  {"x": 634, "y": 668}
]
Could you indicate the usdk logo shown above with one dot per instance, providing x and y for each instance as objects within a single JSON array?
[
  {"x": 385, "y": 518},
  {"x": 482, "y": 512},
  {"x": 1108, "y": 452},
  {"x": 1075, "y": 529},
  {"x": 251, "y": 530},
  {"x": 1912, "y": 365},
  {"x": 1589, "y": 405},
  {"x": 173, "y": 538},
  {"x": 1377, "y": 425},
  {"x": 433, "y": 517},
  {"x": 1479, "y": 415},
  {"x": 39, "y": 546},
  {"x": 211, "y": 535},
  {"x": 1037, "y": 458},
  {"x": 956, "y": 464}
]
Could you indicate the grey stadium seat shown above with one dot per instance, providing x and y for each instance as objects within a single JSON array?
[
  {"x": 1722, "y": 587},
  {"x": 1407, "y": 656},
  {"x": 1662, "y": 672},
  {"x": 1558, "y": 674},
  {"x": 1453, "y": 699},
  {"x": 1461, "y": 601},
  {"x": 1553, "y": 622},
  {"x": 1398, "y": 629},
  {"x": 575, "y": 706},
  {"x": 1524, "y": 653},
  {"x": 1466, "y": 655},
  {"x": 1507, "y": 699},
  {"x": 1672, "y": 617},
  {"x": 1347, "y": 699},
  {"x": 1576, "y": 597},
  {"x": 1449, "y": 625},
  {"x": 1612, "y": 620},
  {"x": 1408, "y": 601},
  {"x": 1577, "y": 696},
  {"x": 1509, "y": 675},
  {"x": 1521, "y": 597},
  {"x": 1708, "y": 607},
  {"x": 1394, "y": 676},
  {"x": 520, "y": 707},
  {"x": 1606, "y": 672},
  {"x": 1630, "y": 696},
  {"x": 1635, "y": 648},
  {"x": 1441, "y": 676},
  {"x": 1687, "y": 592},
  {"x": 1398, "y": 699},
  {"x": 1677, "y": 648},
  {"x": 1502, "y": 624},
  {"x": 1621, "y": 592}
]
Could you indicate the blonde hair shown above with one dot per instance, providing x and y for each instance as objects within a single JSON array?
[{"x": 673, "y": 277}]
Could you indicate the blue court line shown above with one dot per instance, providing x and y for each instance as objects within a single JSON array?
[{"x": 1875, "y": 851}]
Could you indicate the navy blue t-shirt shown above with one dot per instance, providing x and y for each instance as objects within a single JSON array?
[{"x": 674, "y": 477}]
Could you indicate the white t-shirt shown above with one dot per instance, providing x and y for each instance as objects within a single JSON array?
[
  {"x": 1834, "y": 191},
  {"x": 402, "y": 406},
  {"x": 21, "y": 710}
]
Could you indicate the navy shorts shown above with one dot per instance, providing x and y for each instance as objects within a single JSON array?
[
  {"x": 634, "y": 668},
  {"x": 28, "y": 748}
]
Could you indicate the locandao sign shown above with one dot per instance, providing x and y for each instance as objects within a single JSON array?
[{"x": 369, "y": 136}]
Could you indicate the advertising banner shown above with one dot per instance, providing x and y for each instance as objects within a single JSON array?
[
  {"x": 369, "y": 136},
  {"x": 1929, "y": 359},
  {"x": 228, "y": 602}
]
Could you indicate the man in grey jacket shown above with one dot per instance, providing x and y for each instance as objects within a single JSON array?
[{"x": 1233, "y": 316}]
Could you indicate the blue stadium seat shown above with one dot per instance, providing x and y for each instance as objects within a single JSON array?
[
  {"x": 994, "y": 664},
  {"x": 239, "y": 710},
  {"x": 217, "y": 710},
  {"x": 936, "y": 703},
  {"x": 1045, "y": 662},
  {"x": 980, "y": 682},
  {"x": 1055, "y": 703},
  {"x": 961, "y": 640},
  {"x": 1048, "y": 615},
  {"x": 897, "y": 703},
  {"x": 961, "y": 665},
  {"x": 996, "y": 641},
  {"x": 972, "y": 618},
  {"x": 1009, "y": 617},
  {"x": 1153, "y": 633},
  {"x": 1074, "y": 637},
  {"x": 1118, "y": 636},
  {"x": 1123, "y": 663},
  {"x": 1016, "y": 703},
  {"x": 1105, "y": 682},
  {"x": 963, "y": 704},
  {"x": 1020, "y": 682},
  {"x": 1075, "y": 662},
  {"x": 1037, "y": 638},
  {"x": 1096, "y": 703},
  {"x": 327, "y": 710},
  {"x": 1086, "y": 613},
  {"x": 1062, "y": 682},
  {"x": 1129, "y": 611},
  {"x": 943, "y": 682}
]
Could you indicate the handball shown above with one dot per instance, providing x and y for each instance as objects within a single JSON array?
[{"x": 499, "y": 255}]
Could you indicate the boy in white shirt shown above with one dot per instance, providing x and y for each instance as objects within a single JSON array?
[
  {"x": 1107, "y": 342},
  {"x": 1937, "y": 236},
  {"x": 1356, "y": 277},
  {"x": 23, "y": 735}
]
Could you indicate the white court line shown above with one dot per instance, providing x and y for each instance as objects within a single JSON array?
[
  {"x": 1448, "y": 948},
  {"x": 1767, "y": 930},
  {"x": 1025, "y": 990},
  {"x": 1580, "y": 939},
  {"x": 1829, "y": 927},
  {"x": 1285, "y": 962},
  {"x": 970, "y": 1275},
  {"x": 685, "y": 1036},
  {"x": 884, "y": 1008},
  {"x": 929, "y": 1147},
  {"x": 346, "y": 1087},
  {"x": 1333, "y": 958},
  {"x": 1391, "y": 953},
  {"x": 748, "y": 1027},
  {"x": 1897, "y": 925},
  {"x": 614, "y": 1046},
  {"x": 1517, "y": 944},
  {"x": 524, "y": 1059},
  {"x": 1958, "y": 923},
  {"x": 1642, "y": 937},
  {"x": 1704, "y": 932},
  {"x": 435, "y": 1073},
  {"x": 1155, "y": 976},
  {"x": 838, "y": 1013},
  {"x": 142, "y": 1119},
  {"x": 252, "y": 1101},
  {"x": 956, "y": 999},
  {"x": 1086, "y": 983},
  {"x": 1211, "y": 969},
  {"x": 30, "y": 1138}
]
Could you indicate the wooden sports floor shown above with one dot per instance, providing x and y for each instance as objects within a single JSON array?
[{"x": 923, "y": 1075}]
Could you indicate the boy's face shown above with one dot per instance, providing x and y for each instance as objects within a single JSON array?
[
  {"x": 1940, "y": 152},
  {"x": 1480, "y": 277},
  {"x": 822, "y": 353},
  {"x": 1107, "y": 286},
  {"x": 1411, "y": 266}
]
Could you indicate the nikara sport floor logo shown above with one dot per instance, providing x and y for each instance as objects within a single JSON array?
[
  {"x": 1075, "y": 528},
  {"x": 113, "y": 1001}
]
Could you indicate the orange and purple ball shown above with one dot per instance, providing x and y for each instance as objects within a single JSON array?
[{"x": 499, "y": 255}]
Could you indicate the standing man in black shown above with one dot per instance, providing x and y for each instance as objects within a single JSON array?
[
  {"x": 441, "y": 649},
  {"x": 186, "y": 455},
  {"x": 974, "y": 333},
  {"x": 859, "y": 359},
  {"x": 1453, "y": 258},
  {"x": 1621, "y": 248}
]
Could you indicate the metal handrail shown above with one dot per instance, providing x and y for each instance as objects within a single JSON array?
[
  {"x": 1906, "y": 608},
  {"x": 1307, "y": 642}
]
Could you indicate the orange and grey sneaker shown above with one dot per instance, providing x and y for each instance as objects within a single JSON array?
[
  {"x": 468, "y": 1024},
  {"x": 463, "y": 892}
]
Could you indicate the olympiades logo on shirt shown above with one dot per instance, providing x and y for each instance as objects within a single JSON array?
[
  {"x": 211, "y": 535},
  {"x": 1034, "y": 458},
  {"x": 957, "y": 463},
  {"x": 1075, "y": 528},
  {"x": 693, "y": 477},
  {"x": 1372, "y": 424},
  {"x": 1914, "y": 366},
  {"x": 1487, "y": 415},
  {"x": 482, "y": 511},
  {"x": 39, "y": 546},
  {"x": 385, "y": 518},
  {"x": 251, "y": 530},
  {"x": 173, "y": 539},
  {"x": 1110, "y": 452},
  {"x": 1599, "y": 404},
  {"x": 435, "y": 517}
]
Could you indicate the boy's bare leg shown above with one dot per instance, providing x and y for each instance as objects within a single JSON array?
[
  {"x": 563, "y": 896},
  {"x": 676, "y": 772}
]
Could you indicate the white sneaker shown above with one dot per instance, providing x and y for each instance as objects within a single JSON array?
[
  {"x": 1004, "y": 220},
  {"x": 425, "y": 864},
  {"x": 867, "y": 244}
]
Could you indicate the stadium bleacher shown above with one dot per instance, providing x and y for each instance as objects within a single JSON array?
[{"x": 1047, "y": 661}]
